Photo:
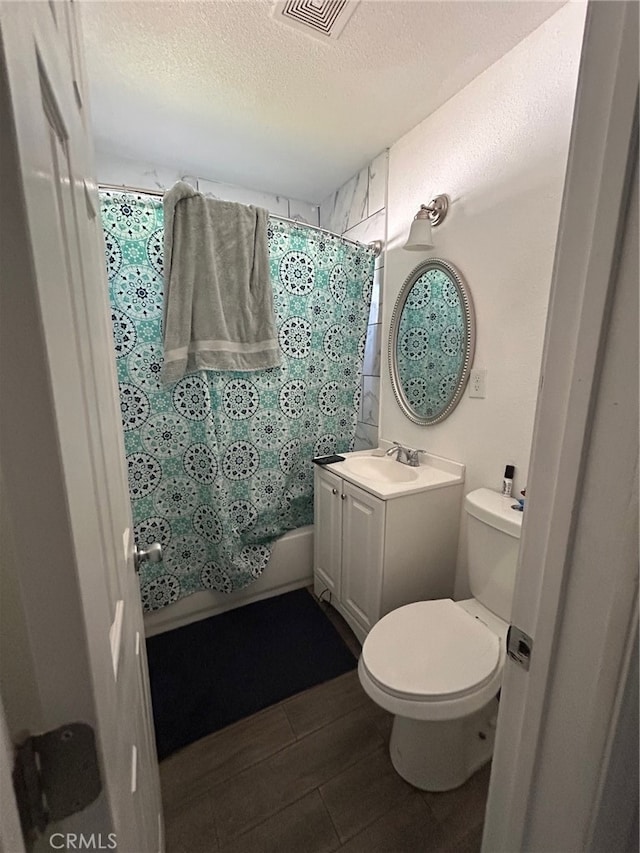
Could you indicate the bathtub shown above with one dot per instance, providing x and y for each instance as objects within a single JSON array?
[{"x": 290, "y": 567}]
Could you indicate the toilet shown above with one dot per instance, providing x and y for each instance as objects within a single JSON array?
[{"x": 437, "y": 665}]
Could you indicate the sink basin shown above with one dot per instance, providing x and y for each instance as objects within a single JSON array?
[
  {"x": 381, "y": 469},
  {"x": 386, "y": 478}
]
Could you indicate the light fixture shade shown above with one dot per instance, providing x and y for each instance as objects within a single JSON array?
[{"x": 420, "y": 238}]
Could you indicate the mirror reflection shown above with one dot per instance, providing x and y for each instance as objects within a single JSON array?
[{"x": 431, "y": 342}]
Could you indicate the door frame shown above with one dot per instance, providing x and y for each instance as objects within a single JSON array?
[{"x": 524, "y": 811}]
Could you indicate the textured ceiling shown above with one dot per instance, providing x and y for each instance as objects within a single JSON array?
[{"x": 222, "y": 90}]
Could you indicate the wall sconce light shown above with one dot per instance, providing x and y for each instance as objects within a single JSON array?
[{"x": 429, "y": 215}]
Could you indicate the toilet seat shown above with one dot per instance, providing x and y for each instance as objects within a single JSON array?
[
  {"x": 431, "y": 660},
  {"x": 430, "y": 650}
]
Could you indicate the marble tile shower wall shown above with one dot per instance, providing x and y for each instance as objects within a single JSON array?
[
  {"x": 112, "y": 169},
  {"x": 358, "y": 211},
  {"x": 276, "y": 204}
]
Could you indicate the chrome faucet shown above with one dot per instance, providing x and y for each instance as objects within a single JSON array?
[
  {"x": 405, "y": 455},
  {"x": 402, "y": 453}
]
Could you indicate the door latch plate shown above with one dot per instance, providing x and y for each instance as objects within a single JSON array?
[{"x": 519, "y": 646}]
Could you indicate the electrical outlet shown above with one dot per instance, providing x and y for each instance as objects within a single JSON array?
[{"x": 478, "y": 383}]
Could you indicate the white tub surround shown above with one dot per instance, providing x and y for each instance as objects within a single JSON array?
[{"x": 290, "y": 567}]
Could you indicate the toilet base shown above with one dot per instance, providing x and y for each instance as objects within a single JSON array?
[{"x": 441, "y": 755}]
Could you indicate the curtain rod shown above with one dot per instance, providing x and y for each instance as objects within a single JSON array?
[{"x": 375, "y": 246}]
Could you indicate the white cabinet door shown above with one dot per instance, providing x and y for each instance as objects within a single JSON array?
[
  {"x": 328, "y": 532},
  {"x": 363, "y": 518}
]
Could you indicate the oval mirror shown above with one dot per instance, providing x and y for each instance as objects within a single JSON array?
[{"x": 431, "y": 342}]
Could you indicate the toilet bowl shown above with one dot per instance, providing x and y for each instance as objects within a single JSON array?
[{"x": 437, "y": 665}]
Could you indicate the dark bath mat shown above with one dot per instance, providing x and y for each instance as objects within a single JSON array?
[{"x": 217, "y": 671}]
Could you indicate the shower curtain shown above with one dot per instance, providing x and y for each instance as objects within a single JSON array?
[{"x": 220, "y": 463}]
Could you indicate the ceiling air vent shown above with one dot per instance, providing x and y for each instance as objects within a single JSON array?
[{"x": 324, "y": 19}]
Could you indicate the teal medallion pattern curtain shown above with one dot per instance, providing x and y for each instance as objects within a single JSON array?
[{"x": 220, "y": 463}]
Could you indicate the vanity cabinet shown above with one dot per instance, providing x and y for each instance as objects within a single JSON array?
[
  {"x": 372, "y": 555},
  {"x": 349, "y": 532}
]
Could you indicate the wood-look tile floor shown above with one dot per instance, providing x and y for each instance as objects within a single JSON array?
[{"x": 311, "y": 774}]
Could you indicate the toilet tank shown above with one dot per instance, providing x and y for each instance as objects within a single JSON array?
[{"x": 493, "y": 540}]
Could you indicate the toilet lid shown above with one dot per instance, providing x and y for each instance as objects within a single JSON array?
[{"x": 430, "y": 650}]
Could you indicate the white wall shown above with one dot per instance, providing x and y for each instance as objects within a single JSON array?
[
  {"x": 498, "y": 148},
  {"x": 112, "y": 169}
]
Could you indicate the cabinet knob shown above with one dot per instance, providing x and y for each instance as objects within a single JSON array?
[
  {"x": 344, "y": 497},
  {"x": 334, "y": 491}
]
